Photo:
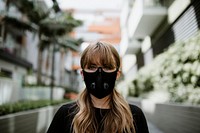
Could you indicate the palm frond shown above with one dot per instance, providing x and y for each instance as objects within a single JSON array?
[
  {"x": 34, "y": 11},
  {"x": 18, "y": 24}
]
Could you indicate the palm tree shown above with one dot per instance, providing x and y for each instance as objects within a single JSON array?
[
  {"x": 48, "y": 27},
  {"x": 35, "y": 14},
  {"x": 58, "y": 27}
]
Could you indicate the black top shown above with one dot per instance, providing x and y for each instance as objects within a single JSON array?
[{"x": 62, "y": 120}]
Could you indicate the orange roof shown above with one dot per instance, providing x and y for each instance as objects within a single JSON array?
[
  {"x": 110, "y": 26},
  {"x": 114, "y": 40}
]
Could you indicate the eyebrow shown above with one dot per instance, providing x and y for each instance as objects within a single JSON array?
[{"x": 92, "y": 65}]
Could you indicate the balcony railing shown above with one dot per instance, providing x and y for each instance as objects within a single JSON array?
[{"x": 145, "y": 17}]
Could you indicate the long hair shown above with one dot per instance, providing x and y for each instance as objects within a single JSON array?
[{"x": 119, "y": 118}]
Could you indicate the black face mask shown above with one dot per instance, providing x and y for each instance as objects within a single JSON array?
[{"x": 100, "y": 83}]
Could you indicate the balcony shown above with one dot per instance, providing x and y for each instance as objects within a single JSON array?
[{"x": 145, "y": 17}]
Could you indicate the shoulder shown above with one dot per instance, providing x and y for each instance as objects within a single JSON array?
[
  {"x": 137, "y": 112},
  {"x": 139, "y": 119},
  {"x": 68, "y": 107},
  {"x": 135, "y": 109}
]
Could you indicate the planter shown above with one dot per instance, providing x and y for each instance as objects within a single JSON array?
[
  {"x": 33, "y": 121},
  {"x": 171, "y": 118},
  {"x": 10, "y": 92},
  {"x": 37, "y": 93}
]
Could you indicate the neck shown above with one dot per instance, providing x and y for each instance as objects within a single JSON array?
[{"x": 101, "y": 103}]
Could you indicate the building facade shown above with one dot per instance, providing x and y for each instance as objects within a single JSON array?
[{"x": 149, "y": 27}]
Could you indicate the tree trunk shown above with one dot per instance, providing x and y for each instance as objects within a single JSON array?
[
  {"x": 62, "y": 66},
  {"x": 39, "y": 68},
  {"x": 39, "y": 61}
]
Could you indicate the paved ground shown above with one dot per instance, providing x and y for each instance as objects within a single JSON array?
[{"x": 153, "y": 128}]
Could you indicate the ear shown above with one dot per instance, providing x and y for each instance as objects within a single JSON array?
[{"x": 118, "y": 74}]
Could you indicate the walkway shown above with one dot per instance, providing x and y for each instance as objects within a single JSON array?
[{"x": 153, "y": 128}]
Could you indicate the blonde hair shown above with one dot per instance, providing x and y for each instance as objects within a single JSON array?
[{"x": 119, "y": 119}]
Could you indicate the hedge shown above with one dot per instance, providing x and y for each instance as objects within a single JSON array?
[
  {"x": 27, "y": 105},
  {"x": 176, "y": 70}
]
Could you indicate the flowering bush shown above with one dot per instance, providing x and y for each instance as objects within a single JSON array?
[{"x": 176, "y": 70}]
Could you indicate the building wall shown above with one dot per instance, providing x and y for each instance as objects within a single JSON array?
[
  {"x": 184, "y": 26},
  {"x": 32, "y": 48},
  {"x": 10, "y": 87},
  {"x": 181, "y": 22}
]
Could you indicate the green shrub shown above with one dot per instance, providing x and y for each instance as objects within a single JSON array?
[
  {"x": 27, "y": 105},
  {"x": 176, "y": 70}
]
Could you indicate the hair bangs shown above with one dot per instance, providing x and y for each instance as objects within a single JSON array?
[
  {"x": 92, "y": 58},
  {"x": 100, "y": 54},
  {"x": 100, "y": 57}
]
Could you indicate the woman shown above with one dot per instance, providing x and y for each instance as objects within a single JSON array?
[{"x": 99, "y": 108}]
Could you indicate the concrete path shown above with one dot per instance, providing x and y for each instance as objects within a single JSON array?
[{"x": 153, "y": 128}]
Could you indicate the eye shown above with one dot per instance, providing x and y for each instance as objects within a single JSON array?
[
  {"x": 108, "y": 67},
  {"x": 92, "y": 67}
]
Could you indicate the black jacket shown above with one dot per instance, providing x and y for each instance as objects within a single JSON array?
[{"x": 62, "y": 120}]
